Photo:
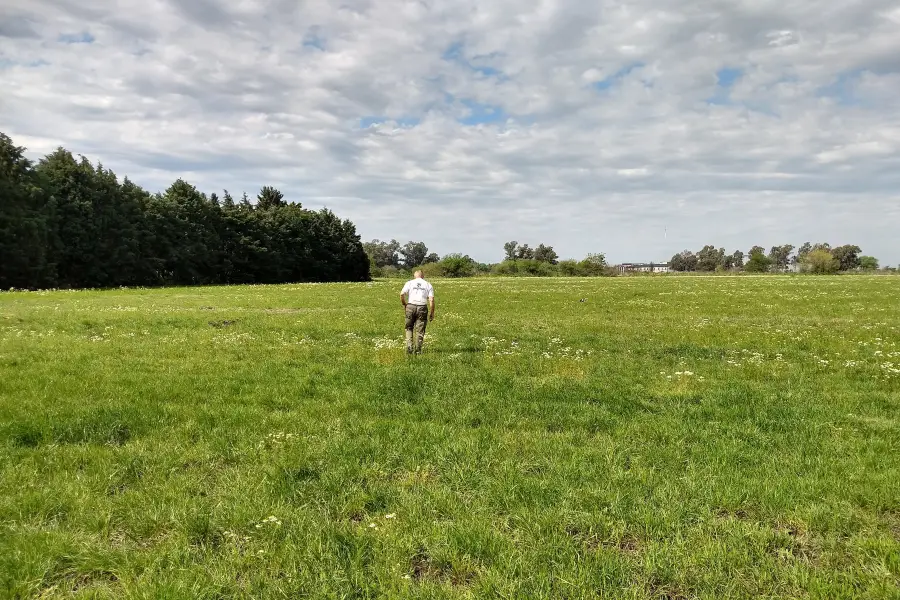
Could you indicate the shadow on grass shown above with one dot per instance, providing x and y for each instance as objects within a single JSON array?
[{"x": 452, "y": 350}]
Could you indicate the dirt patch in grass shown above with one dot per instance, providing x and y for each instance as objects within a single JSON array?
[
  {"x": 739, "y": 514},
  {"x": 624, "y": 544},
  {"x": 666, "y": 591},
  {"x": 221, "y": 324},
  {"x": 65, "y": 575},
  {"x": 792, "y": 541},
  {"x": 423, "y": 567}
]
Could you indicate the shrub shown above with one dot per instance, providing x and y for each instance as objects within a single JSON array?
[
  {"x": 820, "y": 262},
  {"x": 594, "y": 265},
  {"x": 393, "y": 272},
  {"x": 507, "y": 267},
  {"x": 457, "y": 265},
  {"x": 758, "y": 263},
  {"x": 524, "y": 268},
  {"x": 432, "y": 270},
  {"x": 868, "y": 263},
  {"x": 568, "y": 268}
]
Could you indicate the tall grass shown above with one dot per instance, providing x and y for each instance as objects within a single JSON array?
[{"x": 664, "y": 438}]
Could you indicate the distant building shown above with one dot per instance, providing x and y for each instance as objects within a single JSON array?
[{"x": 660, "y": 267}]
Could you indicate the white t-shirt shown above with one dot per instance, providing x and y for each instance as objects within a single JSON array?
[{"x": 419, "y": 291}]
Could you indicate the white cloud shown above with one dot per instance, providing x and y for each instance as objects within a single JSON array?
[{"x": 592, "y": 126}]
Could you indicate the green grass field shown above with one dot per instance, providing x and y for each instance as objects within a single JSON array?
[{"x": 721, "y": 437}]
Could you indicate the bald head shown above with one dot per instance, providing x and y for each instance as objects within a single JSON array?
[{"x": 418, "y": 274}]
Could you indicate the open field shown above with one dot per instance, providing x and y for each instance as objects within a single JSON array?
[{"x": 666, "y": 438}]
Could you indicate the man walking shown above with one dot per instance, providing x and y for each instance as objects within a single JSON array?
[{"x": 417, "y": 296}]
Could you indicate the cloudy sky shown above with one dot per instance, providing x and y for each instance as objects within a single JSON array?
[{"x": 635, "y": 128}]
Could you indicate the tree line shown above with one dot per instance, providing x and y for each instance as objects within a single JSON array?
[
  {"x": 391, "y": 259},
  {"x": 65, "y": 223},
  {"x": 819, "y": 258}
]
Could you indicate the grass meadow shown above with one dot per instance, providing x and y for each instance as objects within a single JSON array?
[{"x": 669, "y": 438}]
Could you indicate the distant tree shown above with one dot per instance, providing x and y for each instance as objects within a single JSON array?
[
  {"x": 593, "y": 265},
  {"x": 458, "y": 265},
  {"x": 96, "y": 227},
  {"x": 268, "y": 198},
  {"x": 523, "y": 252},
  {"x": 431, "y": 258},
  {"x": 847, "y": 256},
  {"x": 509, "y": 249},
  {"x": 413, "y": 254},
  {"x": 193, "y": 242},
  {"x": 709, "y": 258},
  {"x": 67, "y": 222},
  {"x": 868, "y": 263},
  {"x": 733, "y": 261},
  {"x": 757, "y": 261},
  {"x": 780, "y": 257},
  {"x": 805, "y": 249},
  {"x": 568, "y": 268},
  {"x": 384, "y": 254},
  {"x": 524, "y": 267},
  {"x": 820, "y": 261},
  {"x": 25, "y": 222},
  {"x": 546, "y": 254},
  {"x": 684, "y": 261}
]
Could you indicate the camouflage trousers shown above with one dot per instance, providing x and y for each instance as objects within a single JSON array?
[{"x": 416, "y": 322}]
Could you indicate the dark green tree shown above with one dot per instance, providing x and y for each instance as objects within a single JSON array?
[
  {"x": 524, "y": 252},
  {"x": 780, "y": 257},
  {"x": 546, "y": 254},
  {"x": 413, "y": 254},
  {"x": 458, "y": 265},
  {"x": 25, "y": 234},
  {"x": 509, "y": 250},
  {"x": 757, "y": 261},
  {"x": 593, "y": 265},
  {"x": 868, "y": 263},
  {"x": 269, "y": 198},
  {"x": 684, "y": 261},
  {"x": 384, "y": 254},
  {"x": 66, "y": 222},
  {"x": 847, "y": 256},
  {"x": 709, "y": 258}
]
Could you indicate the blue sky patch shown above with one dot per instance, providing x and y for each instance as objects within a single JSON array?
[
  {"x": 842, "y": 89},
  {"x": 487, "y": 71},
  {"x": 6, "y": 63},
  {"x": 314, "y": 40},
  {"x": 366, "y": 122},
  {"x": 725, "y": 80},
  {"x": 607, "y": 83},
  {"x": 76, "y": 38},
  {"x": 480, "y": 114},
  {"x": 728, "y": 76},
  {"x": 454, "y": 53}
]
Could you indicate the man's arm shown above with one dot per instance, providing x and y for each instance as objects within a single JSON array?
[
  {"x": 431, "y": 303},
  {"x": 403, "y": 295}
]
